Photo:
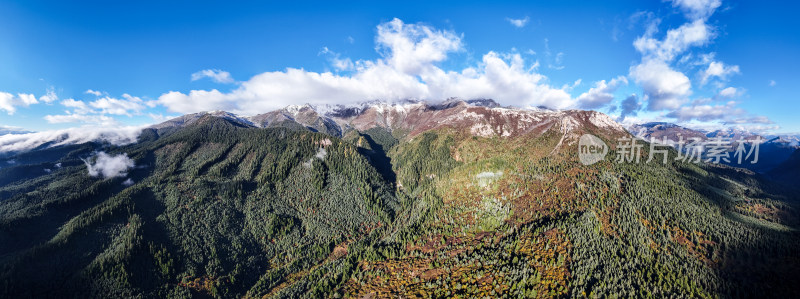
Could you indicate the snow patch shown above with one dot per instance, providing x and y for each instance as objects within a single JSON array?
[
  {"x": 604, "y": 121},
  {"x": 481, "y": 129},
  {"x": 568, "y": 124}
]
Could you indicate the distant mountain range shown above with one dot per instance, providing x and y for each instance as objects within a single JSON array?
[
  {"x": 774, "y": 150},
  {"x": 11, "y": 130}
]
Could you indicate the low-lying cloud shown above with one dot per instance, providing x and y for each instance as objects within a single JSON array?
[
  {"x": 107, "y": 166},
  {"x": 23, "y": 142}
]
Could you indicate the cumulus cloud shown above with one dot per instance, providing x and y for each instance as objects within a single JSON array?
[
  {"x": 519, "y": 23},
  {"x": 9, "y": 102},
  {"x": 407, "y": 69},
  {"x": 215, "y": 75},
  {"x": 79, "y": 107},
  {"x": 675, "y": 42},
  {"x": 729, "y": 92},
  {"x": 667, "y": 88},
  {"x": 664, "y": 87},
  {"x": 93, "y": 92},
  {"x": 601, "y": 94},
  {"x": 107, "y": 166},
  {"x": 127, "y": 105},
  {"x": 23, "y": 142},
  {"x": 719, "y": 70},
  {"x": 697, "y": 9},
  {"x": 411, "y": 48},
  {"x": 97, "y": 112}
]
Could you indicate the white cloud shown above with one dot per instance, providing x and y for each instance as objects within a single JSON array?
[
  {"x": 9, "y": 102},
  {"x": 697, "y": 9},
  {"x": 215, "y": 75},
  {"x": 6, "y": 102},
  {"x": 601, "y": 94},
  {"x": 412, "y": 49},
  {"x": 675, "y": 42},
  {"x": 97, "y": 112},
  {"x": 719, "y": 70},
  {"x": 706, "y": 112},
  {"x": 729, "y": 92},
  {"x": 113, "y": 135},
  {"x": 664, "y": 87},
  {"x": 750, "y": 120},
  {"x": 27, "y": 99},
  {"x": 407, "y": 69},
  {"x": 342, "y": 64},
  {"x": 93, "y": 92},
  {"x": 128, "y": 105},
  {"x": 519, "y": 23},
  {"x": 50, "y": 96},
  {"x": 79, "y": 107},
  {"x": 109, "y": 166}
]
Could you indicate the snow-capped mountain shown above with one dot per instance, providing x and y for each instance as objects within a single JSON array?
[{"x": 482, "y": 117}]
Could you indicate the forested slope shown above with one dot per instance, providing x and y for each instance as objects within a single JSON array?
[
  {"x": 218, "y": 208},
  {"x": 215, "y": 209}
]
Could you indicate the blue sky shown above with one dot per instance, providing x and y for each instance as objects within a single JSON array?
[{"x": 702, "y": 63}]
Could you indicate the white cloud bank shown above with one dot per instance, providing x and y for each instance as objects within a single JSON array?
[
  {"x": 108, "y": 166},
  {"x": 407, "y": 69},
  {"x": 98, "y": 111},
  {"x": 22, "y": 142}
]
